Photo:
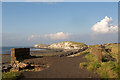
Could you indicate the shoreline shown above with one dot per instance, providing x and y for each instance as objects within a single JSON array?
[{"x": 5, "y": 54}]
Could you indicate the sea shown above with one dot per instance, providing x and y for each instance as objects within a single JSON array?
[{"x": 7, "y": 50}]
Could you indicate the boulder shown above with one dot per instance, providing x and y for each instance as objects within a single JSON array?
[
  {"x": 97, "y": 51},
  {"x": 6, "y": 68},
  {"x": 18, "y": 66},
  {"x": 22, "y": 65}
]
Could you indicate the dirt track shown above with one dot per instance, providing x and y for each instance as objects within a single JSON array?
[{"x": 61, "y": 67}]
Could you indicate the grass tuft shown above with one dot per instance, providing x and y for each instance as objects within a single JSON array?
[
  {"x": 11, "y": 75},
  {"x": 82, "y": 65}
]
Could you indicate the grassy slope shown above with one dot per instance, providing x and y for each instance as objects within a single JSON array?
[
  {"x": 42, "y": 45},
  {"x": 108, "y": 69},
  {"x": 77, "y": 43}
]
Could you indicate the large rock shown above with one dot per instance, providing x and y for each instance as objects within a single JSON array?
[
  {"x": 22, "y": 65},
  {"x": 101, "y": 53},
  {"x": 17, "y": 66},
  {"x": 68, "y": 45},
  {"x": 5, "y": 68},
  {"x": 97, "y": 51}
]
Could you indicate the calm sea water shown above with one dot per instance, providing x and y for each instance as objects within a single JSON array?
[{"x": 6, "y": 50}]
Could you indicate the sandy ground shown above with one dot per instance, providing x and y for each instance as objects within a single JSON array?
[
  {"x": 5, "y": 59},
  {"x": 61, "y": 67}
]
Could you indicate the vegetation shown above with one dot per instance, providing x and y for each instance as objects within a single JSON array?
[
  {"x": 11, "y": 75},
  {"x": 80, "y": 44},
  {"x": 82, "y": 53},
  {"x": 82, "y": 65},
  {"x": 108, "y": 68},
  {"x": 41, "y": 44}
]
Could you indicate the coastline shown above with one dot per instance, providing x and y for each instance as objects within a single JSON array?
[{"x": 60, "y": 59}]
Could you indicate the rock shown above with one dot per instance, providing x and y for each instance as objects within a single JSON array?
[
  {"x": 0, "y": 68},
  {"x": 6, "y": 68},
  {"x": 31, "y": 65},
  {"x": 16, "y": 62},
  {"x": 26, "y": 70},
  {"x": 71, "y": 53},
  {"x": 9, "y": 67},
  {"x": 22, "y": 65},
  {"x": 3, "y": 66},
  {"x": 61, "y": 55},
  {"x": 97, "y": 51},
  {"x": 17, "y": 66}
]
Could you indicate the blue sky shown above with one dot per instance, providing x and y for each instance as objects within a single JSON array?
[
  {"x": 60, "y": 0},
  {"x": 31, "y": 23}
]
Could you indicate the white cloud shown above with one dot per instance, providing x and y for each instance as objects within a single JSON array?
[
  {"x": 57, "y": 36},
  {"x": 31, "y": 37},
  {"x": 43, "y": 0},
  {"x": 105, "y": 26}
]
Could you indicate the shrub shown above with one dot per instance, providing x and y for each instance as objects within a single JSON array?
[
  {"x": 91, "y": 58},
  {"x": 93, "y": 66},
  {"x": 11, "y": 75},
  {"x": 82, "y": 65},
  {"x": 108, "y": 70}
]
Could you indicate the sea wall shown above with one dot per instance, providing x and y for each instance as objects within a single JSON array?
[{"x": 17, "y": 53}]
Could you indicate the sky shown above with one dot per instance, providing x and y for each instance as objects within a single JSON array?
[
  {"x": 60, "y": 0},
  {"x": 29, "y": 23},
  {"x": 0, "y": 24}
]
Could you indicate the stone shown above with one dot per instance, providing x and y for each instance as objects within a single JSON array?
[
  {"x": 61, "y": 55},
  {"x": 97, "y": 51},
  {"x": 6, "y": 68},
  {"x": 26, "y": 70},
  {"x": 16, "y": 62},
  {"x": 17, "y": 66},
  {"x": 19, "y": 53},
  {"x": 22, "y": 65}
]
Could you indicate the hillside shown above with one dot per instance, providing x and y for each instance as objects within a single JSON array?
[
  {"x": 103, "y": 59},
  {"x": 68, "y": 45},
  {"x": 77, "y": 60}
]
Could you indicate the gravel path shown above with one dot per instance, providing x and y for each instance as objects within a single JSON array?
[{"x": 61, "y": 67}]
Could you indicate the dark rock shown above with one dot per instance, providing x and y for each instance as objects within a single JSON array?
[
  {"x": 71, "y": 53},
  {"x": 6, "y": 68},
  {"x": 61, "y": 55}
]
